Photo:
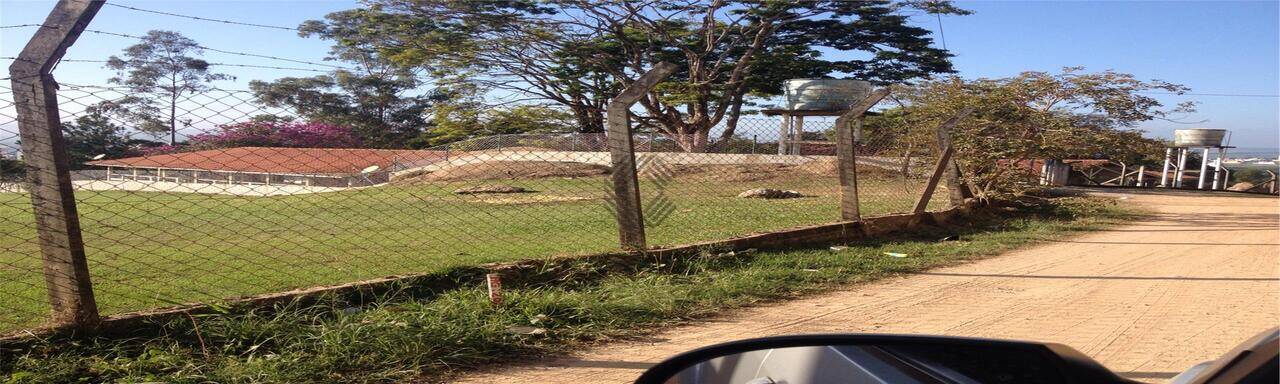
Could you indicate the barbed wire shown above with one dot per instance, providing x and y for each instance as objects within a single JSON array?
[
  {"x": 247, "y": 24},
  {"x": 246, "y": 54},
  {"x": 211, "y": 64},
  {"x": 26, "y": 25}
]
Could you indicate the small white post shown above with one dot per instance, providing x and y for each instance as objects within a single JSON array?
[
  {"x": 783, "y": 134},
  {"x": 1044, "y": 172},
  {"x": 1182, "y": 167},
  {"x": 797, "y": 134},
  {"x": 1204, "y": 168},
  {"x": 1124, "y": 173},
  {"x": 108, "y": 173},
  {"x": 1142, "y": 175},
  {"x": 1217, "y": 172},
  {"x": 1164, "y": 176}
]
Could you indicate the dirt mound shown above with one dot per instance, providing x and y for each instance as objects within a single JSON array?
[
  {"x": 761, "y": 172},
  {"x": 728, "y": 172},
  {"x": 528, "y": 198},
  {"x": 490, "y": 188},
  {"x": 510, "y": 170},
  {"x": 510, "y": 149},
  {"x": 770, "y": 193},
  {"x": 1241, "y": 186},
  {"x": 828, "y": 166}
]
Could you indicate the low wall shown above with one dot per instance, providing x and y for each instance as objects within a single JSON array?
[{"x": 602, "y": 158}]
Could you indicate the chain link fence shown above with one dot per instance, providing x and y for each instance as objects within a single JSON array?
[{"x": 165, "y": 226}]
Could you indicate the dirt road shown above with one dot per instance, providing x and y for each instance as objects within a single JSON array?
[{"x": 1147, "y": 299}]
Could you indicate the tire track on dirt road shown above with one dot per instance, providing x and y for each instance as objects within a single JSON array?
[{"x": 1152, "y": 297}]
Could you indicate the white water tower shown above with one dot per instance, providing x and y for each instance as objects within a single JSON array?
[
  {"x": 814, "y": 97},
  {"x": 1186, "y": 139}
]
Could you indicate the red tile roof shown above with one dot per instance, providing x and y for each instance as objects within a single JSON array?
[{"x": 303, "y": 161}]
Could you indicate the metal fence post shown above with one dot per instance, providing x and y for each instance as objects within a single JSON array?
[
  {"x": 944, "y": 161},
  {"x": 622, "y": 153},
  {"x": 846, "y": 156},
  {"x": 66, "y": 272}
]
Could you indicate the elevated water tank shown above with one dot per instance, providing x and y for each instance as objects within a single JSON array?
[
  {"x": 824, "y": 94},
  {"x": 1198, "y": 137}
]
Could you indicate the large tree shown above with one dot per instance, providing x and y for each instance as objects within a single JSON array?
[
  {"x": 461, "y": 121},
  {"x": 383, "y": 102},
  {"x": 580, "y": 53},
  {"x": 95, "y": 134},
  {"x": 160, "y": 71},
  {"x": 382, "y": 108}
]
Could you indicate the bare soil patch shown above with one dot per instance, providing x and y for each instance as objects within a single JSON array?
[
  {"x": 760, "y": 172},
  {"x": 526, "y": 199},
  {"x": 511, "y": 170},
  {"x": 490, "y": 188}
]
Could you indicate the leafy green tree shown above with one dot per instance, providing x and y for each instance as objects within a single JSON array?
[
  {"x": 1038, "y": 115},
  {"x": 460, "y": 121},
  {"x": 381, "y": 108},
  {"x": 161, "y": 70},
  {"x": 382, "y": 101},
  {"x": 580, "y": 53},
  {"x": 94, "y": 134},
  {"x": 11, "y": 170}
]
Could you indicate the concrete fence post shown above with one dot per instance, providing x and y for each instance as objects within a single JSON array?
[
  {"x": 846, "y": 154},
  {"x": 944, "y": 161},
  {"x": 957, "y": 192},
  {"x": 622, "y": 153},
  {"x": 66, "y": 271}
]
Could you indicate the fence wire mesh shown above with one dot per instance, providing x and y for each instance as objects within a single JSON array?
[{"x": 165, "y": 225}]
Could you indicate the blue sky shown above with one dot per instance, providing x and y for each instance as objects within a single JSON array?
[{"x": 1213, "y": 47}]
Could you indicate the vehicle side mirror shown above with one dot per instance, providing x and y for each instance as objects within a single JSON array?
[{"x": 820, "y": 359}]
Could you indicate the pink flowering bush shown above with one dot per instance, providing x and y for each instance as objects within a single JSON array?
[
  {"x": 273, "y": 134},
  {"x": 159, "y": 150}
]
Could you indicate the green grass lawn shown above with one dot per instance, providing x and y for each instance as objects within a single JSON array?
[
  {"x": 152, "y": 249},
  {"x": 428, "y": 338}
]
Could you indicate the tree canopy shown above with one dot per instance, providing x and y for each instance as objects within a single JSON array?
[
  {"x": 1071, "y": 114},
  {"x": 383, "y": 107},
  {"x": 93, "y": 134},
  {"x": 159, "y": 72},
  {"x": 578, "y": 54}
]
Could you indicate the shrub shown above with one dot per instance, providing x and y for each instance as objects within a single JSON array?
[{"x": 278, "y": 134}]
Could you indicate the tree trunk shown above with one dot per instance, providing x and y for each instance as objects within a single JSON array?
[
  {"x": 695, "y": 141},
  {"x": 173, "y": 122},
  {"x": 589, "y": 120}
]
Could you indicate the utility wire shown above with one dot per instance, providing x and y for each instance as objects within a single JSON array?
[
  {"x": 204, "y": 18},
  {"x": 1211, "y": 94},
  {"x": 941, "y": 34}
]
